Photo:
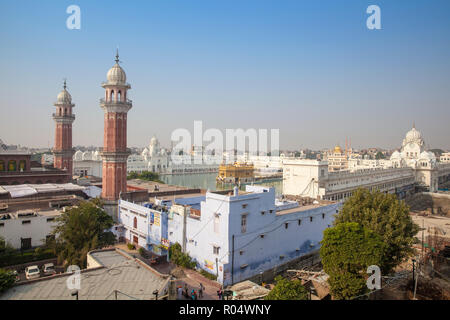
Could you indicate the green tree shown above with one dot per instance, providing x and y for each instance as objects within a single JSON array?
[
  {"x": 286, "y": 289},
  {"x": 145, "y": 175},
  {"x": 79, "y": 230},
  {"x": 7, "y": 279},
  {"x": 346, "y": 252},
  {"x": 386, "y": 216},
  {"x": 379, "y": 155}
]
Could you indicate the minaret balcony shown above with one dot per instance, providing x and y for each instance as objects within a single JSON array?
[
  {"x": 63, "y": 116},
  {"x": 113, "y": 102}
]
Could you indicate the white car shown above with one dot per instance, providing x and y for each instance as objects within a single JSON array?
[
  {"x": 49, "y": 269},
  {"x": 32, "y": 272}
]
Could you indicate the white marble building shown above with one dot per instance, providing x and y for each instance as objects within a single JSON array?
[{"x": 407, "y": 169}]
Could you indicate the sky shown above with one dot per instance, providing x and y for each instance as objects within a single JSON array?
[{"x": 311, "y": 69}]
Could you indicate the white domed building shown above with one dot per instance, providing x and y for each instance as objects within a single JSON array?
[{"x": 427, "y": 170}]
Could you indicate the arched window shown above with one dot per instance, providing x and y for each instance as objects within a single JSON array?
[
  {"x": 135, "y": 223},
  {"x": 111, "y": 96},
  {"x": 119, "y": 96},
  {"x": 2, "y": 165},
  {"x": 22, "y": 165},
  {"x": 12, "y": 165}
]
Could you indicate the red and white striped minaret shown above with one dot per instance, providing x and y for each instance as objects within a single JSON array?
[
  {"x": 64, "y": 118},
  {"x": 115, "y": 152}
]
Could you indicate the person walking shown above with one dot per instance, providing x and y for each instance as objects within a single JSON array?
[
  {"x": 180, "y": 292},
  {"x": 219, "y": 293},
  {"x": 200, "y": 291}
]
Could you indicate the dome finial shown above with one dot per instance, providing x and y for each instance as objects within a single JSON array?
[
  {"x": 65, "y": 84},
  {"x": 117, "y": 55}
]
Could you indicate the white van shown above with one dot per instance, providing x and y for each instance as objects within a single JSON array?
[{"x": 32, "y": 272}]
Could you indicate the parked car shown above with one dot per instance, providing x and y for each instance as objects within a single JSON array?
[
  {"x": 48, "y": 269},
  {"x": 32, "y": 272}
]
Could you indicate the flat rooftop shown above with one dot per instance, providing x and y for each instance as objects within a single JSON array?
[{"x": 132, "y": 279}]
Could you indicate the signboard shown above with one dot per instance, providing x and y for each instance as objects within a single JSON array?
[
  {"x": 209, "y": 264},
  {"x": 155, "y": 219},
  {"x": 165, "y": 243}
]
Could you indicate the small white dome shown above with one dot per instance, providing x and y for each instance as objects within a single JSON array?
[
  {"x": 395, "y": 155},
  {"x": 64, "y": 97},
  {"x": 116, "y": 75},
  {"x": 78, "y": 156},
  {"x": 413, "y": 134}
]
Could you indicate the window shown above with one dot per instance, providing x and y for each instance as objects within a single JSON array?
[
  {"x": 270, "y": 211},
  {"x": 323, "y": 215},
  {"x": 26, "y": 221},
  {"x": 262, "y": 236},
  {"x": 299, "y": 221},
  {"x": 262, "y": 213},
  {"x": 135, "y": 223},
  {"x": 216, "y": 250},
  {"x": 243, "y": 223},
  {"x": 310, "y": 219},
  {"x": 244, "y": 206},
  {"x": 241, "y": 253},
  {"x": 286, "y": 225}
]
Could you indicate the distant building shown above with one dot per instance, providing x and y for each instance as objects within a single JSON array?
[
  {"x": 410, "y": 168},
  {"x": 238, "y": 172},
  {"x": 28, "y": 212},
  {"x": 16, "y": 167},
  {"x": 445, "y": 157}
]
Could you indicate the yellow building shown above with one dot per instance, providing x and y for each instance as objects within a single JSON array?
[
  {"x": 235, "y": 173},
  {"x": 337, "y": 159}
]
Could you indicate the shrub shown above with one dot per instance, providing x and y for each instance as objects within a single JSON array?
[
  {"x": 208, "y": 275},
  {"x": 7, "y": 280},
  {"x": 287, "y": 290},
  {"x": 131, "y": 246},
  {"x": 179, "y": 258},
  {"x": 141, "y": 251}
]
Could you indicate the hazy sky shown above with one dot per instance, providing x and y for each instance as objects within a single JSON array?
[{"x": 309, "y": 68}]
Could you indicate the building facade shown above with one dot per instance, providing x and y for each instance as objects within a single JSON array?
[{"x": 240, "y": 236}]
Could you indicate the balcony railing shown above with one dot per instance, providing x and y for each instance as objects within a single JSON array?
[
  {"x": 63, "y": 115},
  {"x": 104, "y": 101}
]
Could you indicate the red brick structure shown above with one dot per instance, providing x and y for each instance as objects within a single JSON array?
[
  {"x": 115, "y": 152},
  {"x": 64, "y": 118}
]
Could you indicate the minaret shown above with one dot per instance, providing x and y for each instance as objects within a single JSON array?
[
  {"x": 115, "y": 152},
  {"x": 64, "y": 118}
]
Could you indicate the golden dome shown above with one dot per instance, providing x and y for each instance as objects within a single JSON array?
[{"x": 337, "y": 149}]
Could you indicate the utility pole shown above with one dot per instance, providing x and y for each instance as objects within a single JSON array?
[
  {"x": 423, "y": 228},
  {"x": 413, "y": 270}
]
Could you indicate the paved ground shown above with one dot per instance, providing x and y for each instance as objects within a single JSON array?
[{"x": 190, "y": 277}]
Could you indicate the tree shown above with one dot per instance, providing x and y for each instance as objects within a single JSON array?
[
  {"x": 346, "y": 252},
  {"x": 7, "y": 279},
  {"x": 286, "y": 289},
  {"x": 386, "y": 216},
  {"x": 79, "y": 230},
  {"x": 379, "y": 155}
]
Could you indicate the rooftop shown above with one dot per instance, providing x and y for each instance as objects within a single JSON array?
[{"x": 118, "y": 271}]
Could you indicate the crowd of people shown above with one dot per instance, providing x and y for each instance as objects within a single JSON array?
[{"x": 194, "y": 294}]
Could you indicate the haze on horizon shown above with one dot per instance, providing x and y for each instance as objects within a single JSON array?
[{"x": 312, "y": 70}]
